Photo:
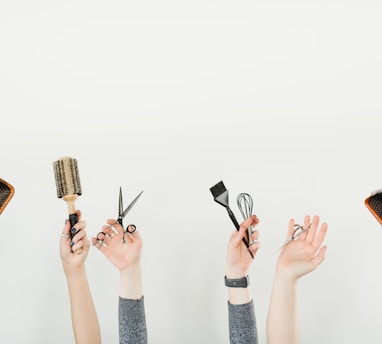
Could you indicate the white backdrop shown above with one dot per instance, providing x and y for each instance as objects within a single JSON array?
[{"x": 280, "y": 99}]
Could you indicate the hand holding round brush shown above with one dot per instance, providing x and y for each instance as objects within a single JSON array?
[{"x": 68, "y": 186}]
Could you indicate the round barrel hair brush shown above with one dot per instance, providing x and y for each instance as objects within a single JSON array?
[{"x": 68, "y": 184}]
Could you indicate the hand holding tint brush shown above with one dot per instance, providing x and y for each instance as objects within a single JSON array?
[
  {"x": 221, "y": 196},
  {"x": 68, "y": 185}
]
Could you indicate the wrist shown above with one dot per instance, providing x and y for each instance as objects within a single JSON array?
[
  {"x": 74, "y": 271},
  {"x": 242, "y": 282},
  {"x": 131, "y": 282},
  {"x": 285, "y": 278},
  {"x": 234, "y": 272}
]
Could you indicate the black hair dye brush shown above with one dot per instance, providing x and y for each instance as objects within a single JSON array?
[
  {"x": 374, "y": 204},
  {"x": 221, "y": 196},
  {"x": 6, "y": 193},
  {"x": 68, "y": 185}
]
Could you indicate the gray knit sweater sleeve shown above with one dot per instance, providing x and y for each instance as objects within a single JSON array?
[
  {"x": 132, "y": 321},
  {"x": 242, "y": 324}
]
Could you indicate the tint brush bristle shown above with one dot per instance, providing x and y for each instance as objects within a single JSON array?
[
  {"x": 218, "y": 189},
  {"x": 220, "y": 194}
]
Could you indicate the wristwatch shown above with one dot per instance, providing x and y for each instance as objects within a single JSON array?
[{"x": 242, "y": 282}]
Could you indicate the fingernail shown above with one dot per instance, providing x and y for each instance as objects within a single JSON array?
[
  {"x": 73, "y": 230},
  {"x": 71, "y": 243}
]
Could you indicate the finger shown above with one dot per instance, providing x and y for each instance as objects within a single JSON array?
[
  {"x": 320, "y": 237},
  {"x": 66, "y": 230},
  {"x": 311, "y": 234},
  {"x": 81, "y": 234},
  {"x": 305, "y": 225},
  {"x": 128, "y": 237},
  {"x": 80, "y": 244},
  {"x": 79, "y": 214},
  {"x": 77, "y": 227},
  {"x": 290, "y": 228},
  {"x": 254, "y": 243},
  {"x": 238, "y": 236},
  {"x": 112, "y": 230},
  {"x": 115, "y": 225}
]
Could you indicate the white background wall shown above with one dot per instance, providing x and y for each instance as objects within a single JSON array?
[{"x": 280, "y": 99}]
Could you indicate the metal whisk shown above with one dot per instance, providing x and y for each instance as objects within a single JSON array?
[{"x": 245, "y": 204}]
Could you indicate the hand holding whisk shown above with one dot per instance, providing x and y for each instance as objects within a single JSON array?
[{"x": 245, "y": 204}]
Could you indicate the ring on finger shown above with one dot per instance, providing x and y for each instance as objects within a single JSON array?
[
  {"x": 113, "y": 229},
  {"x": 254, "y": 241},
  {"x": 100, "y": 242}
]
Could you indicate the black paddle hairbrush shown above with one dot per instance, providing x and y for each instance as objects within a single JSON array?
[
  {"x": 374, "y": 204},
  {"x": 6, "y": 193}
]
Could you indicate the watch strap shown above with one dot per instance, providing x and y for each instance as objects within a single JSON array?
[{"x": 242, "y": 282}]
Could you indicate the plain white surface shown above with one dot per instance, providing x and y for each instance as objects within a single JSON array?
[{"x": 278, "y": 99}]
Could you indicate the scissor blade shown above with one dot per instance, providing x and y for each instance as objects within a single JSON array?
[
  {"x": 131, "y": 204},
  {"x": 120, "y": 204}
]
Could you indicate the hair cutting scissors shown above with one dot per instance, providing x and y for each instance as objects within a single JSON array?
[
  {"x": 121, "y": 214},
  {"x": 298, "y": 230}
]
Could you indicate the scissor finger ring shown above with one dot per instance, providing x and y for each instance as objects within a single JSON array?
[
  {"x": 101, "y": 238},
  {"x": 131, "y": 228}
]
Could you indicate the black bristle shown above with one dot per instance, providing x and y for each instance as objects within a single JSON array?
[
  {"x": 6, "y": 193},
  {"x": 218, "y": 189},
  {"x": 374, "y": 203},
  {"x": 67, "y": 177}
]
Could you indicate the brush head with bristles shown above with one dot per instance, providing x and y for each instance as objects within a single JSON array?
[
  {"x": 220, "y": 194},
  {"x": 374, "y": 204},
  {"x": 67, "y": 177},
  {"x": 6, "y": 193}
]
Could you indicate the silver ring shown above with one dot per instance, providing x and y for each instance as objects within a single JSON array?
[
  {"x": 101, "y": 242},
  {"x": 64, "y": 235},
  {"x": 253, "y": 242},
  {"x": 113, "y": 229}
]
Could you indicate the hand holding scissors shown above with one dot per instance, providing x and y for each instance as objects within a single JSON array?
[
  {"x": 121, "y": 214},
  {"x": 298, "y": 230}
]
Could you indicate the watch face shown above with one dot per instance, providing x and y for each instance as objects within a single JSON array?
[{"x": 237, "y": 282}]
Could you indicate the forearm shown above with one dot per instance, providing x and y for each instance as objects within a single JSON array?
[
  {"x": 131, "y": 283},
  {"x": 282, "y": 320},
  {"x": 84, "y": 316},
  {"x": 239, "y": 296}
]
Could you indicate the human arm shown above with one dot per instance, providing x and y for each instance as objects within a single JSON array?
[
  {"x": 298, "y": 258},
  {"x": 242, "y": 320},
  {"x": 84, "y": 316},
  {"x": 126, "y": 257}
]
